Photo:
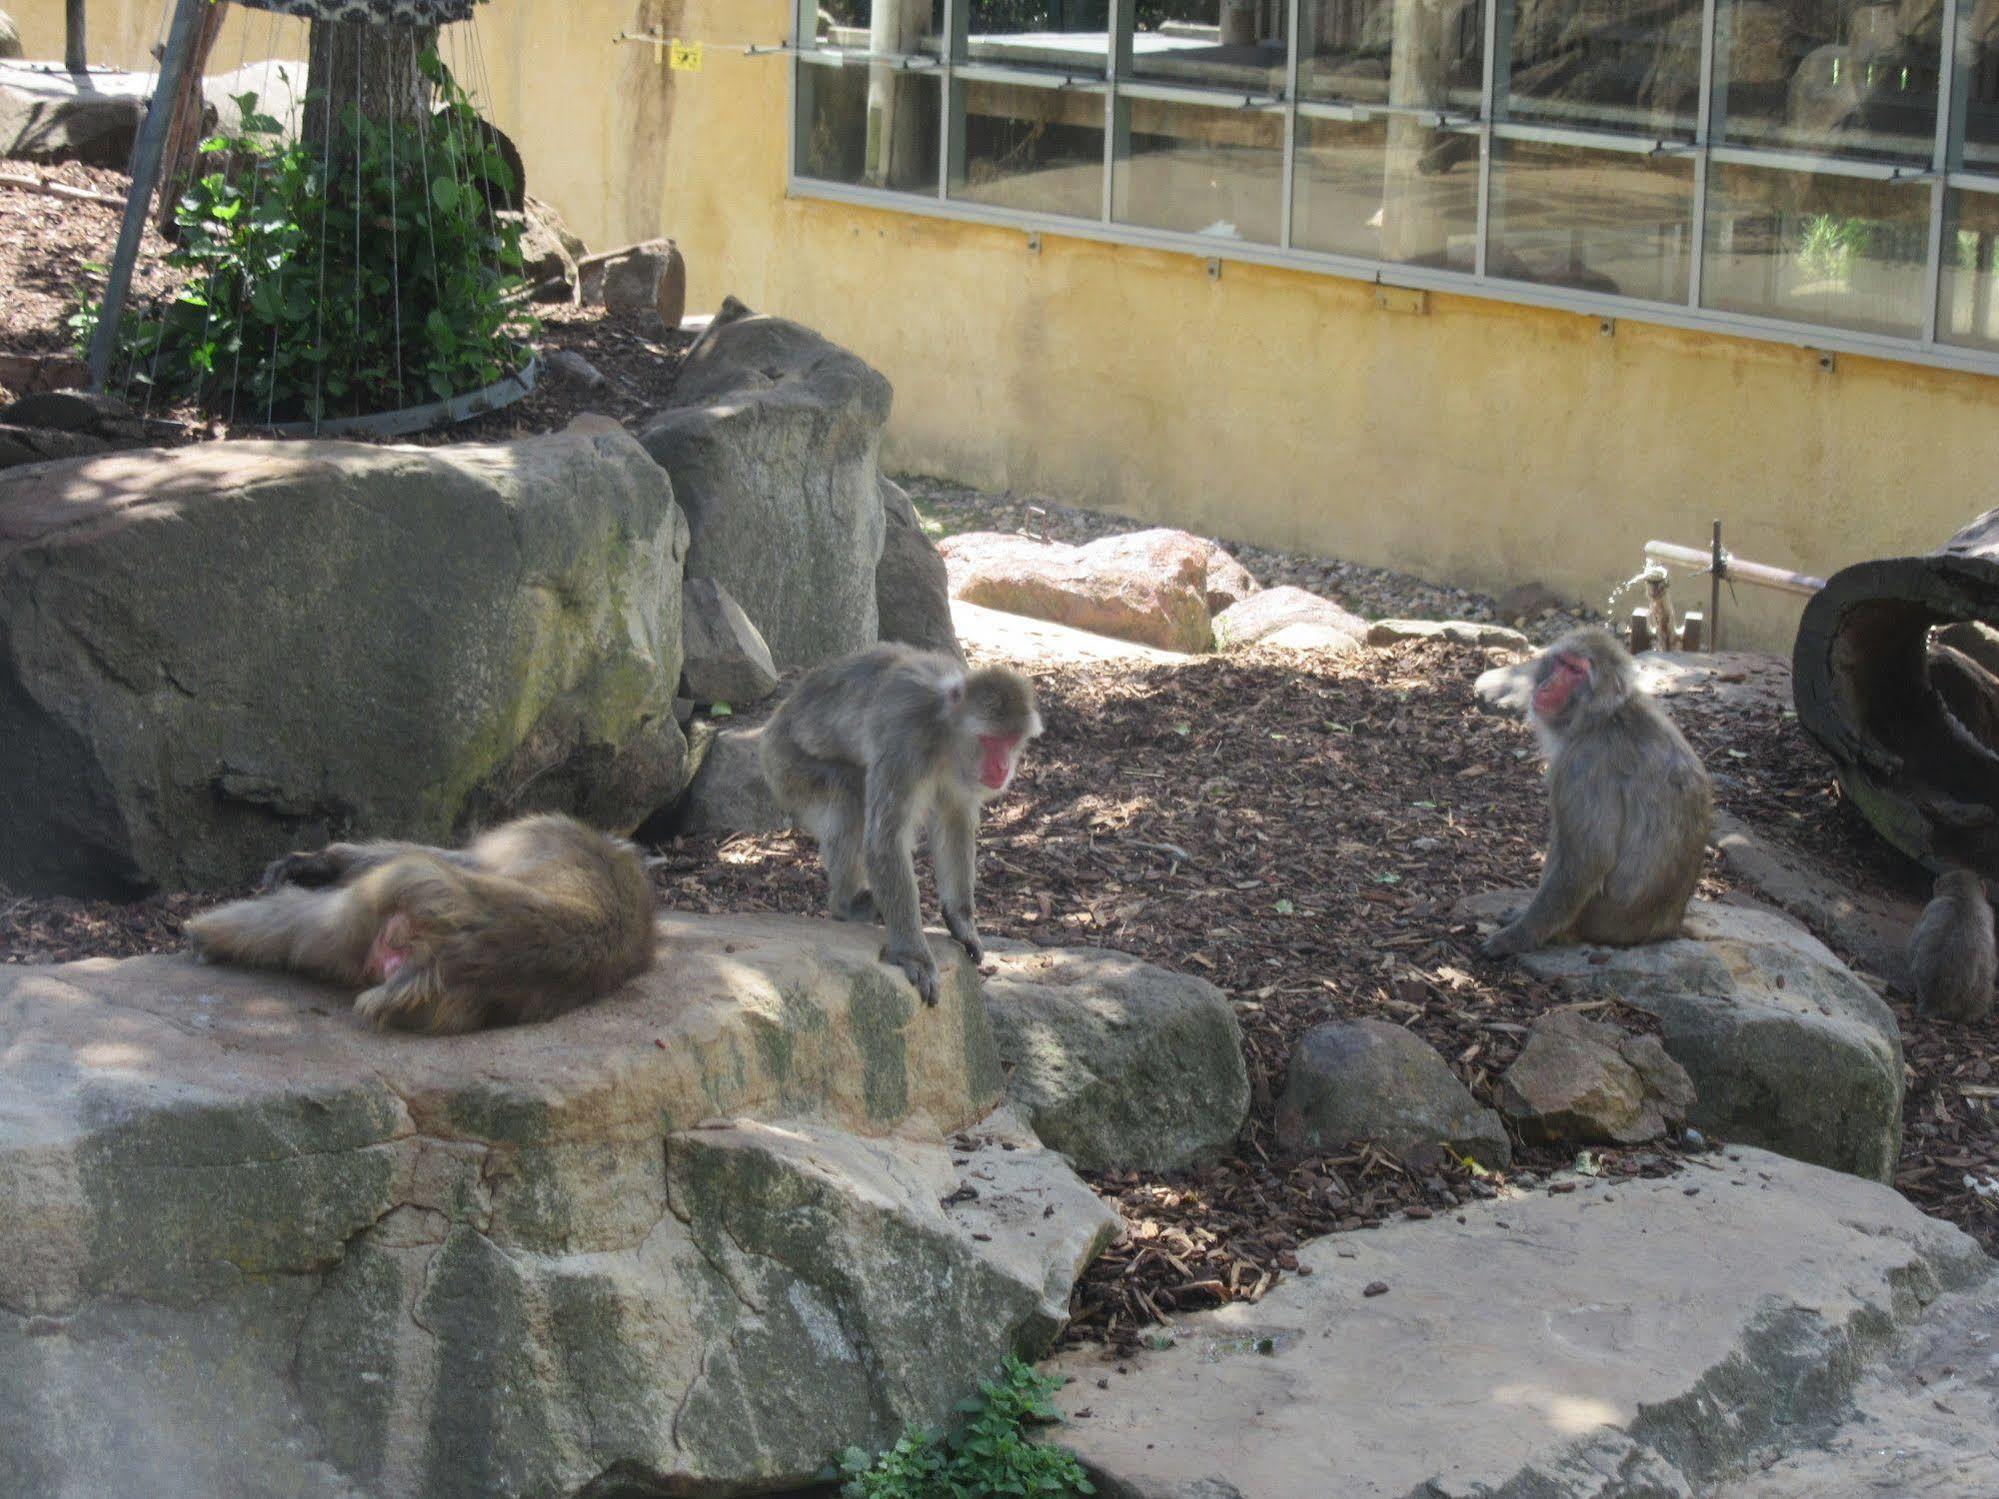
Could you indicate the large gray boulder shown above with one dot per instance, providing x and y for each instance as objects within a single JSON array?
[
  {"x": 50, "y": 115},
  {"x": 1785, "y": 1047},
  {"x": 1114, "y": 1062},
  {"x": 213, "y": 654},
  {"x": 1352, "y": 1081},
  {"x": 1146, "y": 586},
  {"x": 690, "y": 1239},
  {"x": 728, "y": 793},
  {"x": 773, "y": 440},
  {"x": 912, "y": 588}
]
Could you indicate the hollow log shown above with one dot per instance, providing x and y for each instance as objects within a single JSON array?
[{"x": 1896, "y": 674}]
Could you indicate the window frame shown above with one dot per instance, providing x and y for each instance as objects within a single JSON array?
[{"x": 1940, "y": 175}]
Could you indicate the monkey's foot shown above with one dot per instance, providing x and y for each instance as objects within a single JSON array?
[
  {"x": 922, "y": 971},
  {"x": 310, "y": 871},
  {"x": 965, "y": 934},
  {"x": 1506, "y": 942}
]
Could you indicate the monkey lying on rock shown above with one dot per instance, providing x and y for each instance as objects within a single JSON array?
[
  {"x": 866, "y": 749},
  {"x": 537, "y": 917},
  {"x": 1628, "y": 801}
]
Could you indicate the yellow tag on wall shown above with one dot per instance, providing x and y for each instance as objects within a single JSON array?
[{"x": 686, "y": 57}]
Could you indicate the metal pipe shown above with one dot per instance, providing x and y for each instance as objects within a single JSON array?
[
  {"x": 75, "y": 51},
  {"x": 145, "y": 168},
  {"x": 1700, "y": 559}
]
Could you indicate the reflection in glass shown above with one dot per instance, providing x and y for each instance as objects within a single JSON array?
[
  {"x": 868, "y": 127},
  {"x": 1069, "y": 37},
  {"x": 1603, "y": 64},
  {"x": 1040, "y": 150},
  {"x": 1602, "y": 221},
  {"x": 1424, "y": 53},
  {"x": 1840, "y": 251},
  {"x": 1835, "y": 78},
  {"x": 902, "y": 27},
  {"x": 1968, "y": 292},
  {"x": 1236, "y": 45},
  {"x": 1199, "y": 169},
  {"x": 1975, "y": 138},
  {"x": 1387, "y": 188}
]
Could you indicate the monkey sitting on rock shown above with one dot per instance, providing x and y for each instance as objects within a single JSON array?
[
  {"x": 868, "y": 749},
  {"x": 1628, "y": 800},
  {"x": 1951, "y": 958},
  {"x": 537, "y": 917}
]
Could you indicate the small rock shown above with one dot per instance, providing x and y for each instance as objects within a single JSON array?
[
  {"x": 1582, "y": 1081},
  {"x": 22, "y": 445},
  {"x": 75, "y": 411},
  {"x": 728, "y": 793},
  {"x": 1525, "y": 601},
  {"x": 643, "y": 278},
  {"x": 725, "y": 659},
  {"x": 1265, "y": 614},
  {"x": 1356, "y": 1080},
  {"x": 1456, "y": 631},
  {"x": 912, "y": 586},
  {"x": 574, "y": 368}
]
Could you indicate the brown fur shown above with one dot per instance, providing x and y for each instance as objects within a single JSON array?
[
  {"x": 1951, "y": 957},
  {"x": 1629, "y": 805},
  {"x": 535, "y": 918}
]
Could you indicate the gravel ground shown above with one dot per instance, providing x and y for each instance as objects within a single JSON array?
[{"x": 1371, "y": 592}]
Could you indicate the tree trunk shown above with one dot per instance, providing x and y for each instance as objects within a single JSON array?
[
  {"x": 186, "y": 122},
  {"x": 1896, "y": 682},
  {"x": 371, "y": 67}
]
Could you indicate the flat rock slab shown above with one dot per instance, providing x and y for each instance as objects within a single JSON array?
[
  {"x": 1786, "y": 1047},
  {"x": 1644, "y": 1339},
  {"x": 700, "y": 1234},
  {"x": 993, "y": 634}
]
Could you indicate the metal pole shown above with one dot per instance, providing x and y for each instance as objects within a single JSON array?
[
  {"x": 138, "y": 201},
  {"x": 1716, "y": 564},
  {"x": 75, "y": 55}
]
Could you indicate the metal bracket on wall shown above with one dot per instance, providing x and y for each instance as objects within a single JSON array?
[
  {"x": 1034, "y": 242},
  {"x": 1607, "y": 327},
  {"x": 1828, "y": 361},
  {"x": 1214, "y": 267}
]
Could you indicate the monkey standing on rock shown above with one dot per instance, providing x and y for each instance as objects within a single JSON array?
[
  {"x": 866, "y": 749},
  {"x": 1951, "y": 956},
  {"x": 537, "y": 917},
  {"x": 1628, "y": 800}
]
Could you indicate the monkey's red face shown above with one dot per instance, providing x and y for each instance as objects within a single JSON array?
[
  {"x": 998, "y": 756},
  {"x": 1555, "y": 692}
]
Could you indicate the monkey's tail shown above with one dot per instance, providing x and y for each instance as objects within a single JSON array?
[{"x": 325, "y": 933}]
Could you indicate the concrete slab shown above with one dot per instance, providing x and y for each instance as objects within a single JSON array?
[{"x": 1643, "y": 1339}]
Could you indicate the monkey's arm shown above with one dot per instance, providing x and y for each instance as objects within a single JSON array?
[
  {"x": 1582, "y": 850},
  {"x": 954, "y": 849},
  {"x": 891, "y": 875},
  {"x": 339, "y": 862}
]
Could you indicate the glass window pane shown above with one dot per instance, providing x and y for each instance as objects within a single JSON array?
[
  {"x": 1387, "y": 188},
  {"x": 1040, "y": 150},
  {"x": 1233, "y": 44},
  {"x": 904, "y": 27},
  {"x": 1422, "y": 53},
  {"x": 1070, "y": 37},
  {"x": 1834, "y": 78},
  {"x": 1200, "y": 170},
  {"x": 1604, "y": 64},
  {"x": 1601, "y": 221},
  {"x": 1968, "y": 293},
  {"x": 1975, "y": 132},
  {"x": 1840, "y": 251},
  {"x": 868, "y": 126}
]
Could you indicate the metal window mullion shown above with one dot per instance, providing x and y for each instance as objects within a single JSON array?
[
  {"x": 1120, "y": 15},
  {"x": 796, "y": 102},
  {"x": 1488, "y": 110},
  {"x": 1940, "y": 164},
  {"x": 947, "y": 97},
  {"x": 1703, "y": 117},
  {"x": 1290, "y": 122},
  {"x": 1592, "y": 140}
]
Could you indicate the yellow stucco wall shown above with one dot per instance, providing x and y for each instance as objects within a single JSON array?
[{"x": 1476, "y": 443}]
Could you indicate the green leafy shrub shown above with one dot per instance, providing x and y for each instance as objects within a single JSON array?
[
  {"x": 379, "y": 282},
  {"x": 988, "y": 1453}
]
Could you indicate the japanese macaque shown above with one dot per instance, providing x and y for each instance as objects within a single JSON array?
[
  {"x": 866, "y": 750},
  {"x": 1951, "y": 956},
  {"x": 1629, "y": 804},
  {"x": 537, "y": 917}
]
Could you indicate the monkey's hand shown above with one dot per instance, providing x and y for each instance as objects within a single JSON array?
[
  {"x": 1508, "y": 940},
  {"x": 309, "y": 871},
  {"x": 921, "y": 968},
  {"x": 959, "y": 924}
]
